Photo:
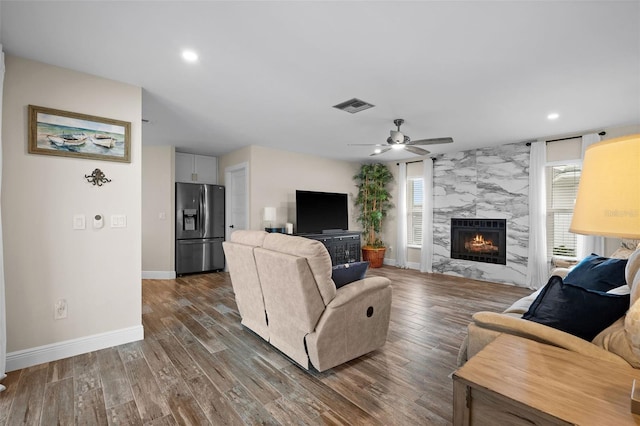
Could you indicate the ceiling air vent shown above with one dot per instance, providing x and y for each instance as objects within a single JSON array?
[{"x": 354, "y": 105}]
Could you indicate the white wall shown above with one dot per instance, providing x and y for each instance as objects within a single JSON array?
[
  {"x": 98, "y": 271},
  {"x": 158, "y": 213}
]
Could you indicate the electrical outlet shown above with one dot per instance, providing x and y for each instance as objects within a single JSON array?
[{"x": 60, "y": 309}]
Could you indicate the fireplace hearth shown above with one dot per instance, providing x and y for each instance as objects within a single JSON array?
[{"x": 479, "y": 240}]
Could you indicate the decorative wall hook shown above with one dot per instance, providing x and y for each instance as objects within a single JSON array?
[{"x": 97, "y": 177}]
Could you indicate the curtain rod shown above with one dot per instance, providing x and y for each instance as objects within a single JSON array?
[
  {"x": 416, "y": 161},
  {"x": 567, "y": 138},
  {"x": 602, "y": 133}
]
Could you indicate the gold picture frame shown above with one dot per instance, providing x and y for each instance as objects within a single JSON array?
[{"x": 71, "y": 134}]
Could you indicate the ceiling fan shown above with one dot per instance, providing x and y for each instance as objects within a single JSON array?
[{"x": 399, "y": 140}]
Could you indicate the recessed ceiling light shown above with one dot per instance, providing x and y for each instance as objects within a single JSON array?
[
  {"x": 553, "y": 116},
  {"x": 189, "y": 55},
  {"x": 397, "y": 146}
]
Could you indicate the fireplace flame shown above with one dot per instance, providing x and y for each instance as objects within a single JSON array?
[
  {"x": 479, "y": 244},
  {"x": 479, "y": 240}
]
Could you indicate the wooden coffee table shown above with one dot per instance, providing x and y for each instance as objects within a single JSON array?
[{"x": 515, "y": 381}]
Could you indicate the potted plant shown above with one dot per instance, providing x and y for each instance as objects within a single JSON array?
[{"x": 373, "y": 200}]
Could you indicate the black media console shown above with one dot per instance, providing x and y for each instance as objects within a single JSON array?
[{"x": 343, "y": 247}]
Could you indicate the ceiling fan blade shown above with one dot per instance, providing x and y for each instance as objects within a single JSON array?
[
  {"x": 367, "y": 144},
  {"x": 382, "y": 151},
  {"x": 432, "y": 141},
  {"x": 416, "y": 150}
]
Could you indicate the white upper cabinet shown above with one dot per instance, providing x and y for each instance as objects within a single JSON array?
[
  {"x": 192, "y": 168},
  {"x": 184, "y": 167}
]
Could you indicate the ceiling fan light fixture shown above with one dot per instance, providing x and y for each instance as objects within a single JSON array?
[
  {"x": 397, "y": 136},
  {"x": 399, "y": 141}
]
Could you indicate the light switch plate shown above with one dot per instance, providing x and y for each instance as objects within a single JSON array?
[{"x": 79, "y": 221}]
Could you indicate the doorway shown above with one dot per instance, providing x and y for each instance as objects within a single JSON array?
[{"x": 237, "y": 194}]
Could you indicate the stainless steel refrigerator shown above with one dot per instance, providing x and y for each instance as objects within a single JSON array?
[{"x": 199, "y": 228}]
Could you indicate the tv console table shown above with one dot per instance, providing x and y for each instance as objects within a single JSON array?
[{"x": 343, "y": 247}]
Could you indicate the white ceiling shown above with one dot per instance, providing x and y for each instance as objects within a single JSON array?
[{"x": 484, "y": 73}]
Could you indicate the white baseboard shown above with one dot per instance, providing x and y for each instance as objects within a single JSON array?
[
  {"x": 159, "y": 275},
  {"x": 55, "y": 351},
  {"x": 410, "y": 265},
  {"x": 413, "y": 265}
]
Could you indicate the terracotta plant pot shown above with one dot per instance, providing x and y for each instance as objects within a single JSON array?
[{"x": 375, "y": 256}]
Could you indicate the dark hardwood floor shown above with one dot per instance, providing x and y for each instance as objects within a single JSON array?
[{"x": 198, "y": 365}]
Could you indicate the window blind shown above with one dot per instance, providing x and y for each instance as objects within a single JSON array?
[
  {"x": 414, "y": 211},
  {"x": 562, "y": 188}
]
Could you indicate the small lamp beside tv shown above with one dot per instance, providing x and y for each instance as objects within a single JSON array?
[{"x": 269, "y": 217}]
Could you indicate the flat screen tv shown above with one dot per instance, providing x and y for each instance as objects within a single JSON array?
[{"x": 318, "y": 212}]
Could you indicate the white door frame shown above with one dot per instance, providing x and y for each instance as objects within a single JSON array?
[{"x": 227, "y": 181}]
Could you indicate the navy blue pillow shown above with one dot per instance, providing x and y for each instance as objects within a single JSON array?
[
  {"x": 348, "y": 273},
  {"x": 598, "y": 273},
  {"x": 576, "y": 310}
]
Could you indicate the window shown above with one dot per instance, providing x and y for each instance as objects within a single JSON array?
[
  {"x": 562, "y": 188},
  {"x": 414, "y": 211}
]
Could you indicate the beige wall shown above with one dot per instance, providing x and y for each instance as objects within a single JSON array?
[
  {"x": 616, "y": 132},
  {"x": 158, "y": 215},
  {"x": 571, "y": 149},
  {"x": 96, "y": 270},
  {"x": 275, "y": 175},
  {"x": 234, "y": 158}
]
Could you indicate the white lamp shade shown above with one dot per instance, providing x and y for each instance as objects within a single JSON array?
[
  {"x": 608, "y": 201},
  {"x": 269, "y": 214}
]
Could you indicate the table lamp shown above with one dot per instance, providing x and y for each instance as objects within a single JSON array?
[
  {"x": 608, "y": 204},
  {"x": 269, "y": 216},
  {"x": 608, "y": 201}
]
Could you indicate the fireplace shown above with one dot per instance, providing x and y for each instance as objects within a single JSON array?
[{"x": 479, "y": 240}]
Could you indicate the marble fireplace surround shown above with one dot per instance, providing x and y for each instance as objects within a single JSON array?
[{"x": 484, "y": 183}]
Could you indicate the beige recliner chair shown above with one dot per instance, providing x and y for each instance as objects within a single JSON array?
[
  {"x": 244, "y": 279},
  {"x": 285, "y": 294}
]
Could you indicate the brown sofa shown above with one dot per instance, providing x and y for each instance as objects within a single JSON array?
[
  {"x": 612, "y": 344},
  {"x": 285, "y": 294}
]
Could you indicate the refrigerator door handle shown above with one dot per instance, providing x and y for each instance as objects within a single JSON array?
[{"x": 203, "y": 213}]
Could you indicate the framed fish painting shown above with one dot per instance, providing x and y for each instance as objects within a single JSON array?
[{"x": 71, "y": 134}]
